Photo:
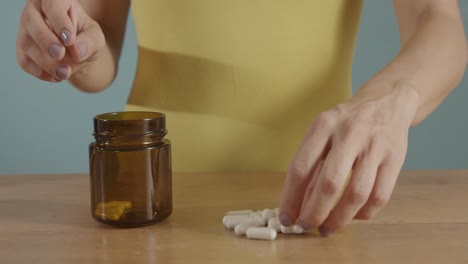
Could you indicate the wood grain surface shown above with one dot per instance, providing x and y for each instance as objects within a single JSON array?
[{"x": 47, "y": 219}]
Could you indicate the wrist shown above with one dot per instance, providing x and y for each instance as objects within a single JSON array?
[{"x": 400, "y": 97}]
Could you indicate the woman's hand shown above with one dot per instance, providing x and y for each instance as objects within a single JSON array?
[
  {"x": 56, "y": 38},
  {"x": 364, "y": 139}
]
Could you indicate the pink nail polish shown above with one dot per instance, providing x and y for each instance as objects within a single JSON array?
[
  {"x": 54, "y": 51},
  {"x": 83, "y": 49},
  {"x": 65, "y": 36},
  {"x": 62, "y": 72},
  {"x": 324, "y": 231},
  {"x": 286, "y": 220}
]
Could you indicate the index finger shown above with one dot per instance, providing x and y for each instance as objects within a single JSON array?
[
  {"x": 41, "y": 34},
  {"x": 302, "y": 169},
  {"x": 59, "y": 14},
  {"x": 330, "y": 182}
]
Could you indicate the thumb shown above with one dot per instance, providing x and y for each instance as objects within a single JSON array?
[{"x": 89, "y": 41}]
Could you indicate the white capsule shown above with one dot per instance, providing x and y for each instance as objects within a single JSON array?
[
  {"x": 294, "y": 229},
  {"x": 259, "y": 212},
  {"x": 225, "y": 218},
  {"x": 264, "y": 233},
  {"x": 286, "y": 229},
  {"x": 297, "y": 229},
  {"x": 239, "y": 212},
  {"x": 275, "y": 224},
  {"x": 276, "y": 211},
  {"x": 253, "y": 214},
  {"x": 231, "y": 223},
  {"x": 241, "y": 229},
  {"x": 259, "y": 219},
  {"x": 267, "y": 214},
  {"x": 275, "y": 214}
]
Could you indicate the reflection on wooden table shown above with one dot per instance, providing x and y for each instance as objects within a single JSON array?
[{"x": 47, "y": 219}]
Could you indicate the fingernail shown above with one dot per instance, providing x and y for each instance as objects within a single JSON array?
[
  {"x": 304, "y": 225},
  {"x": 324, "y": 231},
  {"x": 62, "y": 72},
  {"x": 54, "y": 51},
  {"x": 56, "y": 80},
  {"x": 286, "y": 220},
  {"x": 65, "y": 36},
  {"x": 83, "y": 49}
]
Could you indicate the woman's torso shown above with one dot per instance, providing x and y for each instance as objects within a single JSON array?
[{"x": 240, "y": 81}]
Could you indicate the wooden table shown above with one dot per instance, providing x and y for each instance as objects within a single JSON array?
[{"x": 46, "y": 219}]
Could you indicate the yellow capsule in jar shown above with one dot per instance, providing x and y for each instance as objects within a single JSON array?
[{"x": 112, "y": 210}]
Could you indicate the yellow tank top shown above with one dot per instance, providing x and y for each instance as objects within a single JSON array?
[{"x": 240, "y": 81}]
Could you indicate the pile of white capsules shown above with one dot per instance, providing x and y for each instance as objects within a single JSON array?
[{"x": 262, "y": 224}]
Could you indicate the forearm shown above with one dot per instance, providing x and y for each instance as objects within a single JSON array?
[
  {"x": 98, "y": 73},
  {"x": 430, "y": 64}
]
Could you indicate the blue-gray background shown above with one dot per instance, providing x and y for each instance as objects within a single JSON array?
[{"x": 46, "y": 128}]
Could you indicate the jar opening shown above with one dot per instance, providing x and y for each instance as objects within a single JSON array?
[
  {"x": 129, "y": 129},
  {"x": 129, "y": 116}
]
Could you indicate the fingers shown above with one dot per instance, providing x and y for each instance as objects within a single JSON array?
[
  {"x": 34, "y": 25},
  {"x": 58, "y": 71},
  {"x": 318, "y": 196},
  {"x": 302, "y": 167},
  {"x": 74, "y": 13},
  {"x": 330, "y": 182},
  {"x": 311, "y": 185},
  {"x": 58, "y": 14},
  {"x": 387, "y": 176},
  {"x": 40, "y": 51},
  {"x": 30, "y": 55},
  {"x": 89, "y": 41},
  {"x": 35, "y": 70},
  {"x": 356, "y": 194}
]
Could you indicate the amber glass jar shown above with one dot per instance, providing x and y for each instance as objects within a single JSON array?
[{"x": 130, "y": 169}]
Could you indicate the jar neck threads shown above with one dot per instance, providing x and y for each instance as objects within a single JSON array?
[{"x": 129, "y": 129}]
